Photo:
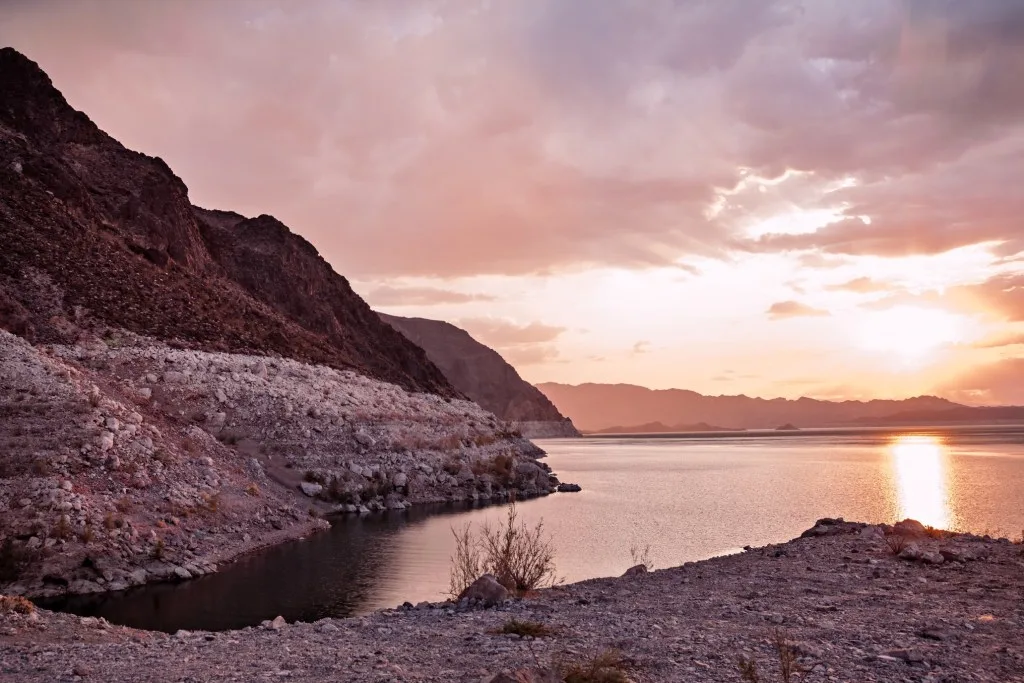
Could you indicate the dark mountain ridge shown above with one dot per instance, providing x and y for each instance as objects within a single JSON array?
[
  {"x": 595, "y": 407},
  {"x": 95, "y": 234},
  {"x": 480, "y": 373}
]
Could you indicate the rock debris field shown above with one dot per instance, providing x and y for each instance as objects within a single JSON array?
[{"x": 949, "y": 611}]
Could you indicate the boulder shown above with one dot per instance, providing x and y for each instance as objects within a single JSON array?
[
  {"x": 174, "y": 377},
  {"x": 636, "y": 570},
  {"x": 310, "y": 488},
  {"x": 485, "y": 590},
  {"x": 569, "y": 488},
  {"x": 910, "y": 528}
]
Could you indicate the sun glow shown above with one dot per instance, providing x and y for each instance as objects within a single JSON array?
[
  {"x": 909, "y": 333},
  {"x": 920, "y": 469}
]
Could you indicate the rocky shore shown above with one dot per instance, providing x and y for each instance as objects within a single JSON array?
[
  {"x": 127, "y": 460},
  {"x": 840, "y": 600}
]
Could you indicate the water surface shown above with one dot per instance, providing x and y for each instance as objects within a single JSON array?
[{"x": 687, "y": 497}]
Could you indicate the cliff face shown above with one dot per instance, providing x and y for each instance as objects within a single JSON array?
[
  {"x": 482, "y": 374},
  {"x": 94, "y": 232}
]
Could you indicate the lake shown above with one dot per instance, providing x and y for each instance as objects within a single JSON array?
[{"x": 687, "y": 497}]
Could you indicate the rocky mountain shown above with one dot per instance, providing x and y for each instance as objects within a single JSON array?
[
  {"x": 96, "y": 233},
  {"x": 483, "y": 375},
  {"x": 179, "y": 386},
  {"x": 598, "y": 407}
]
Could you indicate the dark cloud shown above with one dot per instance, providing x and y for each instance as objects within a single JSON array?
[
  {"x": 388, "y": 295},
  {"x": 794, "y": 309},
  {"x": 462, "y": 138}
]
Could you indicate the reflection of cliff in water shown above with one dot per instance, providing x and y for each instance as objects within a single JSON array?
[{"x": 335, "y": 573}]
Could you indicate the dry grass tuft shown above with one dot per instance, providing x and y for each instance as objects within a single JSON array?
[
  {"x": 15, "y": 604},
  {"x": 534, "y": 629},
  {"x": 789, "y": 668},
  {"x": 605, "y": 667},
  {"x": 253, "y": 489}
]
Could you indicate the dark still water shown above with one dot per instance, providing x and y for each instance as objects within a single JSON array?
[{"x": 689, "y": 497}]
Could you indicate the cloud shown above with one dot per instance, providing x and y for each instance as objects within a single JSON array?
[
  {"x": 389, "y": 295},
  {"x": 997, "y": 383},
  {"x": 794, "y": 309},
  {"x": 460, "y": 138},
  {"x": 999, "y": 341},
  {"x": 641, "y": 347},
  {"x": 529, "y": 344},
  {"x": 860, "y": 285}
]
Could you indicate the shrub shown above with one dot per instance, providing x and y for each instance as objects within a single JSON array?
[
  {"x": 159, "y": 549},
  {"x": 15, "y": 604},
  {"x": 62, "y": 529},
  {"x": 896, "y": 543},
  {"x": 789, "y": 668},
  {"x": 252, "y": 489},
  {"x": 87, "y": 534},
  {"x": 534, "y": 629},
  {"x": 453, "y": 467},
  {"x": 124, "y": 505},
  {"x": 520, "y": 557},
  {"x": 605, "y": 667},
  {"x": 211, "y": 502},
  {"x": 641, "y": 555}
]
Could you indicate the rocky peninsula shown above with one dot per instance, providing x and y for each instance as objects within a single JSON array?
[{"x": 839, "y": 601}]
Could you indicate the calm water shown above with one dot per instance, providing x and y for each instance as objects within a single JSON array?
[{"x": 689, "y": 497}]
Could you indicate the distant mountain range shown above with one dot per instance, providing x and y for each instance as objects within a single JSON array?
[
  {"x": 480, "y": 373},
  {"x": 622, "y": 408}
]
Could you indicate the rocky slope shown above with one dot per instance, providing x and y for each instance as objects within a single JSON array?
[
  {"x": 483, "y": 375},
  {"x": 127, "y": 461},
  {"x": 96, "y": 235},
  {"x": 839, "y": 602},
  {"x": 594, "y": 407}
]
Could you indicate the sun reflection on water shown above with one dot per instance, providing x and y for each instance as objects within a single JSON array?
[{"x": 920, "y": 466}]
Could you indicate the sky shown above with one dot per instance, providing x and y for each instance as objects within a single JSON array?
[{"x": 772, "y": 198}]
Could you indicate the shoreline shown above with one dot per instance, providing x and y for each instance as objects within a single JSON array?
[{"x": 852, "y": 610}]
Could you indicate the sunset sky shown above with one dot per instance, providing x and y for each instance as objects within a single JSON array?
[{"x": 770, "y": 198}]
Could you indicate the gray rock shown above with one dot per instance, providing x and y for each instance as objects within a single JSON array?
[
  {"x": 112, "y": 423},
  {"x": 485, "y": 590},
  {"x": 400, "y": 479},
  {"x": 174, "y": 377},
  {"x": 311, "y": 489},
  {"x": 364, "y": 439},
  {"x": 569, "y": 488},
  {"x": 182, "y": 573},
  {"x": 636, "y": 570}
]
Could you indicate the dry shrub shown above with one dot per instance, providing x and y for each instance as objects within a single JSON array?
[
  {"x": 499, "y": 467},
  {"x": 124, "y": 505},
  {"x": 937, "y": 534},
  {"x": 253, "y": 489},
  {"x": 788, "y": 667},
  {"x": 520, "y": 557},
  {"x": 15, "y": 604},
  {"x": 62, "y": 529},
  {"x": 642, "y": 555},
  {"x": 448, "y": 443},
  {"x": 87, "y": 535},
  {"x": 159, "y": 549},
  {"x": 605, "y": 667},
  {"x": 483, "y": 440},
  {"x": 453, "y": 467},
  {"x": 211, "y": 502},
  {"x": 534, "y": 629},
  {"x": 896, "y": 543}
]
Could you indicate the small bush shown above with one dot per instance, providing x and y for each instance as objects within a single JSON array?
[
  {"x": 112, "y": 521},
  {"x": 453, "y": 467},
  {"x": 789, "y": 669},
  {"x": 896, "y": 543},
  {"x": 87, "y": 535},
  {"x": 534, "y": 629},
  {"x": 520, "y": 557},
  {"x": 62, "y": 529},
  {"x": 15, "y": 604},
  {"x": 606, "y": 667},
  {"x": 211, "y": 502},
  {"x": 124, "y": 505},
  {"x": 252, "y": 489},
  {"x": 641, "y": 555},
  {"x": 41, "y": 467},
  {"x": 159, "y": 549}
]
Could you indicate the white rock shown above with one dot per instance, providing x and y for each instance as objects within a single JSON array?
[
  {"x": 310, "y": 488},
  {"x": 112, "y": 423}
]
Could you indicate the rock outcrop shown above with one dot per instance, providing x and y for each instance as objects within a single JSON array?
[
  {"x": 133, "y": 462},
  {"x": 95, "y": 235},
  {"x": 483, "y": 375}
]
